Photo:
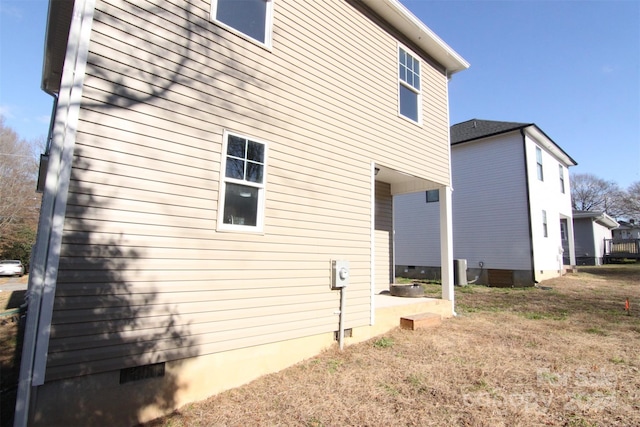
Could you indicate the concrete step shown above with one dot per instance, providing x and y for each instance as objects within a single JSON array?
[{"x": 420, "y": 321}]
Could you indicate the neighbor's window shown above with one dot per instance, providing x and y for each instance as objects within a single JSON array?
[
  {"x": 409, "y": 91},
  {"x": 544, "y": 224},
  {"x": 251, "y": 18},
  {"x": 561, "y": 171},
  {"x": 433, "y": 196},
  {"x": 242, "y": 186},
  {"x": 539, "y": 163}
]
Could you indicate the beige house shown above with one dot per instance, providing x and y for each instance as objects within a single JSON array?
[{"x": 206, "y": 168}]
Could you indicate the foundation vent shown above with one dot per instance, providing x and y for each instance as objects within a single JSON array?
[
  {"x": 140, "y": 373},
  {"x": 348, "y": 333}
]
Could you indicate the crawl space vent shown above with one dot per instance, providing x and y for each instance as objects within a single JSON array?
[{"x": 140, "y": 373}]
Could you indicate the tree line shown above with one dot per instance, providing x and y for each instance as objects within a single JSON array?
[
  {"x": 20, "y": 203},
  {"x": 590, "y": 193}
]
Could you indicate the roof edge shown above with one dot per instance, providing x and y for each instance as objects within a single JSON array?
[
  {"x": 413, "y": 28},
  {"x": 601, "y": 218},
  {"x": 515, "y": 128}
]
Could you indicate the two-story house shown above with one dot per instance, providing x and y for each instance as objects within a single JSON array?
[
  {"x": 511, "y": 208},
  {"x": 210, "y": 165}
]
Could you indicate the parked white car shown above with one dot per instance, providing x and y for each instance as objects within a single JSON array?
[{"x": 11, "y": 267}]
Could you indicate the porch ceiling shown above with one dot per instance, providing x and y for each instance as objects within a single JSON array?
[{"x": 403, "y": 183}]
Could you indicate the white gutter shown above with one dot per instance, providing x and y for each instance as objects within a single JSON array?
[
  {"x": 46, "y": 255},
  {"x": 415, "y": 30}
]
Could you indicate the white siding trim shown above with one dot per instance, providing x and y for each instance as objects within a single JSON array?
[
  {"x": 372, "y": 260},
  {"x": 74, "y": 71},
  {"x": 446, "y": 246},
  {"x": 42, "y": 281}
]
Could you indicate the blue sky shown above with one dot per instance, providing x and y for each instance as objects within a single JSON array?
[{"x": 571, "y": 67}]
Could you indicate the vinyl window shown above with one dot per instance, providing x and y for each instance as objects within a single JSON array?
[
  {"x": 249, "y": 18},
  {"x": 409, "y": 88},
  {"x": 433, "y": 196},
  {"x": 539, "y": 163},
  {"x": 242, "y": 187}
]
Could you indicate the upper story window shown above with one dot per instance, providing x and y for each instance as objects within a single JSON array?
[
  {"x": 539, "y": 163},
  {"x": 561, "y": 172},
  {"x": 409, "y": 89},
  {"x": 242, "y": 186},
  {"x": 251, "y": 18},
  {"x": 433, "y": 196}
]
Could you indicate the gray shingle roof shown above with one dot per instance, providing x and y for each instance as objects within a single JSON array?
[{"x": 475, "y": 128}]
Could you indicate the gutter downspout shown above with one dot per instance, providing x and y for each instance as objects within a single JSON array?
[
  {"x": 528, "y": 193},
  {"x": 46, "y": 254}
]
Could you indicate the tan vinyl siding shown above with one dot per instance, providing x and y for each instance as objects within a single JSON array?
[{"x": 144, "y": 275}]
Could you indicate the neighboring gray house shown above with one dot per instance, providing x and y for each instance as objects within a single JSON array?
[
  {"x": 590, "y": 229},
  {"x": 511, "y": 208},
  {"x": 627, "y": 230}
]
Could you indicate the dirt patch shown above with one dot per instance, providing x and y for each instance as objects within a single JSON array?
[{"x": 565, "y": 355}]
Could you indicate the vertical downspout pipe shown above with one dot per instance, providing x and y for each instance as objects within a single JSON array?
[{"x": 528, "y": 193}]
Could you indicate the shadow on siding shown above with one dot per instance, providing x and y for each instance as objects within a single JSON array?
[{"x": 109, "y": 317}]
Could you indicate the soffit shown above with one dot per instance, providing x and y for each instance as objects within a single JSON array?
[
  {"x": 57, "y": 34},
  {"x": 415, "y": 30}
]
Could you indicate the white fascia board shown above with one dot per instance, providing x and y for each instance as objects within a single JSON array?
[
  {"x": 607, "y": 221},
  {"x": 539, "y": 136},
  {"x": 599, "y": 217},
  {"x": 415, "y": 30}
]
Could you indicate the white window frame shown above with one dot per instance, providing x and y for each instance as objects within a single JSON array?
[
  {"x": 539, "y": 165},
  {"x": 268, "y": 25},
  {"x": 545, "y": 228},
  {"x": 402, "y": 83},
  {"x": 224, "y": 180},
  {"x": 561, "y": 172}
]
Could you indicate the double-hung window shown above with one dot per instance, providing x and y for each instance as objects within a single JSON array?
[
  {"x": 539, "y": 164},
  {"x": 250, "y": 18},
  {"x": 243, "y": 184},
  {"x": 561, "y": 172},
  {"x": 409, "y": 89}
]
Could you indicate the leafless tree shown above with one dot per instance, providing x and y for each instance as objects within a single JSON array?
[
  {"x": 631, "y": 201},
  {"x": 19, "y": 202},
  {"x": 590, "y": 193}
]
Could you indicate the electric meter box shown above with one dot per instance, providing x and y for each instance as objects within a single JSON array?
[{"x": 339, "y": 274}]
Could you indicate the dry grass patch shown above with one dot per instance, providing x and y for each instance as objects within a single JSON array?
[{"x": 566, "y": 356}]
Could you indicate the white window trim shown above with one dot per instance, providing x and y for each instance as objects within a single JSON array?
[
  {"x": 268, "y": 25},
  {"x": 539, "y": 165},
  {"x": 408, "y": 86},
  {"x": 221, "y": 226}
]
